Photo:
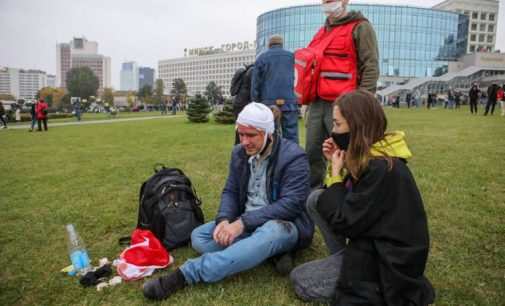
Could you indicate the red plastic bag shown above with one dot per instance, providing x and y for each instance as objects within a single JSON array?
[{"x": 142, "y": 257}]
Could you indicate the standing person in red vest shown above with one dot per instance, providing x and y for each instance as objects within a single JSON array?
[
  {"x": 349, "y": 60},
  {"x": 41, "y": 111},
  {"x": 500, "y": 96}
]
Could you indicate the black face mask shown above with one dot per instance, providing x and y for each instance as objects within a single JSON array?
[{"x": 341, "y": 140}]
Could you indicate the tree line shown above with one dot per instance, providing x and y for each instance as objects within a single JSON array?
[{"x": 83, "y": 83}]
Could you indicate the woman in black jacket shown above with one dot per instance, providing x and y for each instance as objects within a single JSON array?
[{"x": 371, "y": 216}]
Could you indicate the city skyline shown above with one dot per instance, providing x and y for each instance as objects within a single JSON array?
[{"x": 147, "y": 33}]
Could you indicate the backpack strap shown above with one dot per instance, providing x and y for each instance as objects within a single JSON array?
[{"x": 141, "y": 192}]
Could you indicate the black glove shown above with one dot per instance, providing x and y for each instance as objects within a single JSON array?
[{"x": 92, "y": 278}]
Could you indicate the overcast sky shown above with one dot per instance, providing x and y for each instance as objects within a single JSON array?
[{"x": 143, "y": 31}]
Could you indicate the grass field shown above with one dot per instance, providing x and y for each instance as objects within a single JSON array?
[{"x": 90, "y": 176}]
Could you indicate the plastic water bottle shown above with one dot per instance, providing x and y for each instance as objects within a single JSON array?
[{"x": 77, "y": 251}]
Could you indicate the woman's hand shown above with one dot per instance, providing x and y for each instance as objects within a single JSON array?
[
  {"x": 329, "y": 148},
  {"x": 337, "y": 162}
]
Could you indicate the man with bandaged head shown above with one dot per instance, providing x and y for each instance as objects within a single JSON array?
[{"x": 261, "y": 214}]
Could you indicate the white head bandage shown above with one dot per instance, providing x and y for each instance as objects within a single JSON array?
[{"x": 257, "y": 115}]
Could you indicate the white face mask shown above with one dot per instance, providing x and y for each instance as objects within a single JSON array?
[{"x": 333, "y": 8}]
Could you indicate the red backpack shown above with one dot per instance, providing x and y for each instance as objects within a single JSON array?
[{"x": 305, "y": 75}]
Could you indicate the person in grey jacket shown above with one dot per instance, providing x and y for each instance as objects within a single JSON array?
[{"x": 262, "y": 212}]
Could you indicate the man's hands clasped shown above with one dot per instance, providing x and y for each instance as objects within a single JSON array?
[{"x": 225, "y": 233}]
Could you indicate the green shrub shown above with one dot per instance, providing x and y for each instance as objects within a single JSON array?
[
  {"x": 198, "y": 109},
  {"x": 226, "y": 116}
]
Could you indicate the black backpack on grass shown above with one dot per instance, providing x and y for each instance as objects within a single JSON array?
[{"x": 169, "y": 207}]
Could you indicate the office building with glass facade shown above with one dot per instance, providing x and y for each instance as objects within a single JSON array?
[
  {"x": 129, "y": 76},
  {"x": 483, "y": 21},
  {"x": 146, "y": 77},
  {"x": 413, "y": 42}
]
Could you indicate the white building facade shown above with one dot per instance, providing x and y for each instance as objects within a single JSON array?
[
  {"x": 21, "y": 83},
  {"x": 482, "y": 28},
  {"x": 200, "y": 68},
  {"x": 79, "y": 53}
]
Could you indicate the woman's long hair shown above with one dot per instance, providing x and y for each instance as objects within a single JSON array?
[{"x": 367, "y": 125}]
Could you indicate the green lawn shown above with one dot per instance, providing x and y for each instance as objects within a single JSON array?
[{"x": 90, "y": 176}]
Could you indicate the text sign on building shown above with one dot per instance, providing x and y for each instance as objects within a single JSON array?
[{"x": 230, "y": 47}]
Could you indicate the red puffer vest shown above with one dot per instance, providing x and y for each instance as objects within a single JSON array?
[
  {"x": 338, "y": 65},
  {"x": 500, "y": 94}
]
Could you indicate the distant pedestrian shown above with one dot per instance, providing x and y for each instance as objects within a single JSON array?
[
  {"x": 473, "y": 94},
  {"x": 33, "y": 113},
  {"x": 457, "y": 100},
  {"x": 77, "y": 109},
  {"x": 429, "y": 103},
  {"x": 174, "y": 106},
  {"x": 417, "y": 99},
  {"x": 408, "y": 99},
  {"x": 397, "y": 102},
  {"x": 41, "y": 111},
  {"x": 18, "y": 113},
  {"x": 162, "y": 108},
  {"x": 492, "y": 92},
  {"x": 391, "y": 101},
  {"x": 450, "y": 98},
  {"x": 2, "y": 115},
  {"x": 501, "y": 97}
]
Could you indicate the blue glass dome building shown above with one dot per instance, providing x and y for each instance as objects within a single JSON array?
[{"x": 413, "y": 41}]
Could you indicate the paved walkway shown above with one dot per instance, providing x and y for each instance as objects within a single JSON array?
[{"x": 104, "y": 121}]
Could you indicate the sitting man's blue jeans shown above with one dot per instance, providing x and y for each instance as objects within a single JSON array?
[{"x": 246, "y": 252}]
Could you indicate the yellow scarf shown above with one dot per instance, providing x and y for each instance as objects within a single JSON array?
[{"x": 393, "y": 145}]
